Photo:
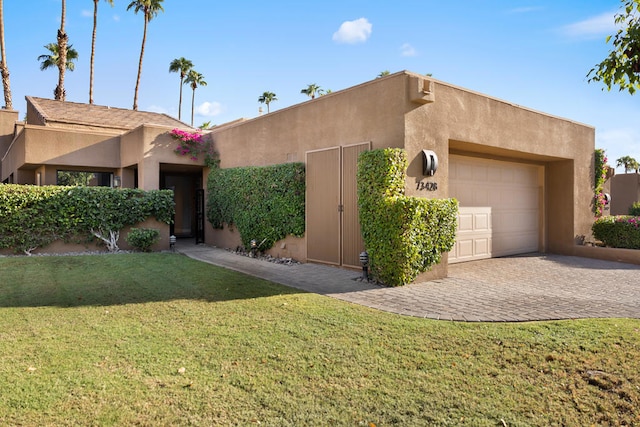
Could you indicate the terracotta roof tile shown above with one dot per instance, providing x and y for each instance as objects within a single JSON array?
[{"x": 99, "y": 116}]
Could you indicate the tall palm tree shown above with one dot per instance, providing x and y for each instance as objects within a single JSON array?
[
  {"x": 267, "y": 98},
  {"x": 4, "y": 69},
  {"x": 59, "y": 93},
  {"x": 183, "y": 66},
  {"x": 312, "y": 90},
  {"x": 150, "y": 9},
  {"x": 194, "y": 79},
  {"x": 93, "y": 45},
  {"x": 53, "y": 58},
  {"x": 383, "y": 74}
]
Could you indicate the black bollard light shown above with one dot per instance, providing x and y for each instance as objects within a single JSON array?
[{"x": 364, "y": 260}]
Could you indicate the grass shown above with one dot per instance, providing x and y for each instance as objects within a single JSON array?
[{"x": 160, "y": 339}]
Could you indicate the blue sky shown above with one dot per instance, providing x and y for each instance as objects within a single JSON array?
[{"x": 534, "y": 53}]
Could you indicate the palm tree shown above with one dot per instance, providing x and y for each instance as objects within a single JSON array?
[
  {"x": 383, "y": 74},
  {"x": 312, "y": 90},
  {"x": 150, "y": 9},
  {"x": 93, "y": 45},
  {"x": 206, "y": 125},
  {"x": 53, "y": 59},
  {"x": 194, "y": 79},
  {"x": 59, "y": 93},
  {"x": 183, "y": 66},
  {"x": 4, "y": 69},
  {"x": 628, "y": 162},
  {"x": 267, "y": 98}
]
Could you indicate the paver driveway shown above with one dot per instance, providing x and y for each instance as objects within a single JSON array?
[{"x": 520, "y": 288}]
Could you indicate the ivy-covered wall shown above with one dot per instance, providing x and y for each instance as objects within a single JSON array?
[
  {"x": 33, "y": 216},
  {"x": 404, "y": 236},
  {"x": 264, "y": 203}
]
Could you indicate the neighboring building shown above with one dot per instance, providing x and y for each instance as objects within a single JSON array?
[
  {"x": 523, "y": 178},
  {"x": 108, "y": 146},
  {"x": 625, "y": 191}
]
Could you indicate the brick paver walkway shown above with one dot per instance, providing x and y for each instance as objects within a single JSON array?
[{"x": 522, "y": 288}]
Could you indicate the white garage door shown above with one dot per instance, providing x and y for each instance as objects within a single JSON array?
[{"x": 512, "y": 194}]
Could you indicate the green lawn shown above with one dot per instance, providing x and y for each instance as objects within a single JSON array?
[{"x": 160, "y": 339}]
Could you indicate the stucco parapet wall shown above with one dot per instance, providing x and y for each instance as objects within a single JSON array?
[
  {"x": 499, "y": 100},
  {"x": 305, "y": 104}
]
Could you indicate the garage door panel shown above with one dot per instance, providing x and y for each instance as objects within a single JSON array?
[
  {"x": 511, "y": 191},
  {"x": 473, "y": 239}
]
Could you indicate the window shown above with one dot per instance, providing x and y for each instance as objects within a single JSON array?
[{"x": 84, "y": 178}]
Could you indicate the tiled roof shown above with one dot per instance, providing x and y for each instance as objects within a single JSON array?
[{"x": 72, "y": 113}]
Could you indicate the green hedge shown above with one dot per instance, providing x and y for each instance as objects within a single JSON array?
[
  {"x": 33, "y": 216},
  {"x": 618, "y": 231},
  {"x": 634, "y": 210},
  {"x": 404, "y": 236},
  {"x": 264, "y": 203}
]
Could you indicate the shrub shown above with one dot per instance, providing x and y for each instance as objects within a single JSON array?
[
  {"x": 618, "y": 231},
  {"x": 265, "y": 203},
  {"x": 634, "y": 210},
  {"x": 33, "y": 216},
  {"x": 403, "y": 236},
  {"x": 143, "y": 238}
]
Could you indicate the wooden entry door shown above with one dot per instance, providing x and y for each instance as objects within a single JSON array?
[{"x": 333, "y": 226}]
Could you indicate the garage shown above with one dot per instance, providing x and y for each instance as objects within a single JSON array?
[{"x": 500, "y": 205}]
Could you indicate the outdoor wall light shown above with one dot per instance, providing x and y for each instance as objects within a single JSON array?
[
  {"x": 429, "y": 163},
  {"x": 364, "y": 260},
  {"x": 607, "y": 198},
  {"x": 117, "y": 181}
]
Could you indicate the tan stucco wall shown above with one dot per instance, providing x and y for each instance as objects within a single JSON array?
[
  {"x": 368, "y": 112},
  {"x": 39, "y": 145},
  {"x": 625, "y": 191},
  {"x": 465, "y": 122},
  {"x": 8, "y": 119},
  {"x": 415, "y": 112},
  {"x": 147, "y": 147}
]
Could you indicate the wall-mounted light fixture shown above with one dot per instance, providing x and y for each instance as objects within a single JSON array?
[
  {"x": 117, "y": 181},
  {"x": 429, "y": 163}
]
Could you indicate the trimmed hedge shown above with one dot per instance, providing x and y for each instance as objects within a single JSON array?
[
  {"x": 34, "y": 216},
  {"x": 265, "y": 203},
  {"x": 404, "y": 236},
  {"x": 618, "y": 231}
]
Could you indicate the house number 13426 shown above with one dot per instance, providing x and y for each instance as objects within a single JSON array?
[{"x": 427, "y": 186}]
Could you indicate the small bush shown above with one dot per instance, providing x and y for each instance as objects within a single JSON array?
[
  {"x": 634, "y": 210},
  {"x": 618, "y": 231},
  {"x": 143, "y": 238}
]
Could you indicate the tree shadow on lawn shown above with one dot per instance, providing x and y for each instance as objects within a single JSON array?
[{"x": 103, "y": 280}]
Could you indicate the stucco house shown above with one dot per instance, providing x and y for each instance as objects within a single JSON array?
[
  {"x": 112, "y": 146},
  {"x": 523, "y": 178}
]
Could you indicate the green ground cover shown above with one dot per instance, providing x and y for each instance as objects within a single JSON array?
[{"x": 160, "y": 339}]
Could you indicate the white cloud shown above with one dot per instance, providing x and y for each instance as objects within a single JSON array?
[
  {"x": 209, "y": 109},
  {"x": 116, "y": 18},
  {"x": 86, "y": 13},
  {"x": 595, "y": 26},
  {"x": 353, "y": 32},
  {"x": 526, "y": 9},
  {"x": 408, "y": 50}
]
